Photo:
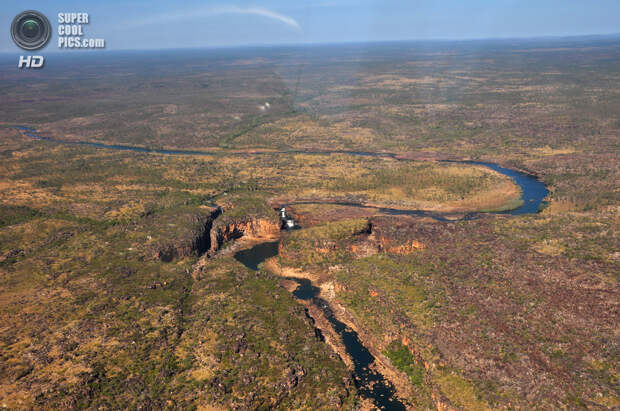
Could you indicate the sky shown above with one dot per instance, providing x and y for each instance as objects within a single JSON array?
[{"x": 161, "y": 24}]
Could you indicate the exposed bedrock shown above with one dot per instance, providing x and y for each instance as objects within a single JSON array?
[
  {"x": 222, "y": 233},
  {"x": 196, "y": 242}
]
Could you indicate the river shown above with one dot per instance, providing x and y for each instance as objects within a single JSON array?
[
  {"x": 533, "y": 190},
  {"x": 370, "y": 383}
]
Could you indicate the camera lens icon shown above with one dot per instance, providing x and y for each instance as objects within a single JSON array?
[{"x": 31, "y": 30}]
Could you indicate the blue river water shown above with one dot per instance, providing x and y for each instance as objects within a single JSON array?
[
  {"x": 534, "y": 191},
  {"x": 370, "y": 383}
]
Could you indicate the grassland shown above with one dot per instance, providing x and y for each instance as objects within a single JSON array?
[
  {"x": 103, "y": 302},
  {"x": 103, "y": 305},
  {"x": 485, "y": 313}
]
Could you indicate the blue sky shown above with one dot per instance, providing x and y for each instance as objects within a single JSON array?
[{"x": 153, "y": 24}]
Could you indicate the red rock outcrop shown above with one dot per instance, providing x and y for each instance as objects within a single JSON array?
[{"x": 260, "y": 227}]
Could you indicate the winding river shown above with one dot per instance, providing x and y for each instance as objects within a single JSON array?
[
  {"x": 370, "y": 383},
  {"x": 533, "y": 190}
]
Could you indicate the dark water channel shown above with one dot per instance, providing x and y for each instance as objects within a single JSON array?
[
  {"x": 370, "y": 383},
  {"x": 533, "y": 195},
  {"x": 534, "y": 191}
]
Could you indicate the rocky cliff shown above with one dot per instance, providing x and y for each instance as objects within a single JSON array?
[
  {"x": 222, "y": 233},
  {"x": 194, "y": 242}
]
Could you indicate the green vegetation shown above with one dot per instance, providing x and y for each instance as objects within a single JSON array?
[
  {"x": 321, "y": 246},
  {"x": 103, "y": 303},
  {"x": 461, "y": 392},
  {"x": 458, "y": 309},
  {"x": 268, "y": 355},
  {"x": 422, "y": 186},
  {"x": 10, "y": 215},
  {"x": 245, "y": 206},
  {"x": 402, "y": 359},
  {"x": 93, "y": 319},
  {"x": 106, "y": 303}
]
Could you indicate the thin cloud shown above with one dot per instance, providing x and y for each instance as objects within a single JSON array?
[
  {"x": 289, "y": 21},
  {"x": 217, "y": 10}
]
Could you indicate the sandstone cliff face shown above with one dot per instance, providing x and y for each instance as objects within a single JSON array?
[
  {"x": 379, "y": 239},
  {"x": 223, "y": 233},
  {"x": 402, "y": 248},
  {"x": 391, "y": 237},
  {"x": 205, "y": 233},
  {"x": 195, "y": 243}
]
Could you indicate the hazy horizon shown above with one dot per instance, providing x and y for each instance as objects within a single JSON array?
[
  {"x": 159, "y": 25},
  {"x": 583, "y": 37}
]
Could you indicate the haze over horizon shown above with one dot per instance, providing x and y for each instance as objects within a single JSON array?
[{"x": 199, "y": 24}]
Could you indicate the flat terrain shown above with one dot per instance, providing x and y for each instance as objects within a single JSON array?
[{"x": 108, "y": 299}]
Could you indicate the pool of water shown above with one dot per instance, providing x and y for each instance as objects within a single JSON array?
[{"x": 252, "y": 257}]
